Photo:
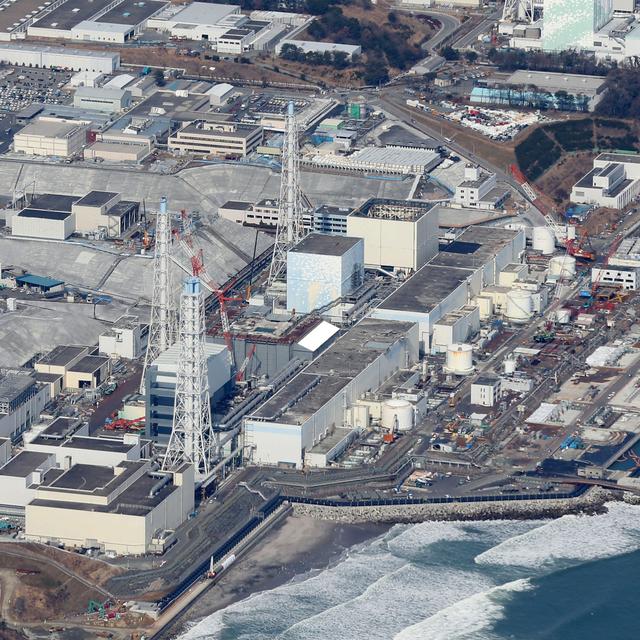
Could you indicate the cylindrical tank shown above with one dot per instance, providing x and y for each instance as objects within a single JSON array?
[
  {"x": 519, "y": 305},
  {"x": 459, "y": 359},
  {"x": 12, "y": 304},
  {"x": 510, "y": 366},
  {"x": 563, "y": 316},
  {"x": 563, "y": 267},
  {"x": 543, "y": 240},
  {"x": 397, "y": 414}
]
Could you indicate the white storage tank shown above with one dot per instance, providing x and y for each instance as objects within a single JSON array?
[
  {"x": 510, "y": 366},
  {"x": 397, "y": 414},
  {"x": 12, "y": 304},
  {"x": 519, "y": 305},
  {"x": 459, "y": 359},
  {"x": 563, "y": 267},
  {"x": 543, "y": 240},
  {"x": 563, "y": 316}
]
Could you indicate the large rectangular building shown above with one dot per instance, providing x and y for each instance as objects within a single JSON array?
[
  {"x": 450, "y": 280},
  {"x": 399, "y": 235},
  {"x": 32, "y": 55},
  {"x": 51, "y": 137},
  {"x": 217, "y": 139},
  {"x": 571, "y": 24},
  {"x": 107, "y": 99},
  {"x": 22, "y": 399},
  {"x": 315, "y": 403}
]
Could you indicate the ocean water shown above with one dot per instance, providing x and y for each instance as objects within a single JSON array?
[{"x": 575, "y": 578}]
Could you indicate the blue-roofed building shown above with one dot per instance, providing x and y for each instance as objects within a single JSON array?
[
  {"x": 39, "y": 283},
  {"x": 513, "y": 97}
]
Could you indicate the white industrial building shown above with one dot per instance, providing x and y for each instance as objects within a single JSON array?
[
  {"x": 36, "y": 223},
  {"x": 309, "y": 46},
  {"x": 122, "y": 509},
  {"x": 455, "y": 327},
  {"x": 32, "y": 55},
  {"x": 613, "y": 182},
  {"x": 457, "y": 276},
  {"x": 479, "y": 190},
  {"x": 323, "y": 398},
  {"x": 22, "y": 399},
  {"x": 322, "y": 269},
  {"x": 106, "y": 99},
  {"x": 78, "y": 366},
  {"x": 627, "y": 254},
  {"x": 220, "y": 93},
  {"x": 216, "y": 138},
  {"x": 48, "y": 136},
  {"x": 399, "y": 235},
  {"x": 123, "y": 339},
  {"x": 486, "y": 390},
  {"x": 621, "y": 277}
]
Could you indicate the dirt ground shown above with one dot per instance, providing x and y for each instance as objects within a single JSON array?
[{"x": 558, "y": 180}]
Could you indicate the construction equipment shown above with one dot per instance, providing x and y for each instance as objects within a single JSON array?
[
  {"x": 245, "y": 363},
  {"x": 612, "y": 249},
  {"x": 577, "y": 247},
  {"x": 126, "y": 425}
]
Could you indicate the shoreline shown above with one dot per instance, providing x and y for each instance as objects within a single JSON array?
[{"x": 296, "y": 546}]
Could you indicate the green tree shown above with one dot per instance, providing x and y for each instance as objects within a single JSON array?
[
  {"x": 471, "y": 56},
  {"x": 449, "y": 53},
  {"x": 158, "y": 75}
]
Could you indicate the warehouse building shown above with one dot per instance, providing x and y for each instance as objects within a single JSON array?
[
  {"x": 220, "y": 93},
  {"x": 22, "y": 399},
  {"x": 122, "y": 509},
  {"x": 399, "y": 235},
  {"x": 79, "y": 367},
  {"x": 198, "y": 17},
  {"x": 322, "y": 270},
  {"x": 160, "y": 386},
  {"x": 217, "y": 139},
  {"x": 106, "y": 99},
  {"x": 46, "y": 57},
  {"x": 613, "y": 182},
  {"x": 321, "y": 400},
  {"x": 36, "y": 223},
  {"x": 19, "y": 478},
  {"x": 453, "y": 278},
  {"x": 57, "y": 137}
]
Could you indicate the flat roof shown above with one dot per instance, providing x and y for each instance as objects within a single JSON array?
[
  {"x": 203, "y": 13},
  {"x": 426, "y": 288},
  {"x": 53, "y": 202},
  {"x": 326, "y": 444},
  {"x": 239, "y": 205},
  {"x": 97, "y": 444},
  {"x": 65, "y": 51},
  {"x": 136, "y": 500},
  {"x": 50, "y": 128},
  {"x": 16, "y": 11},
  {"x": 43, "y": 214},
  {"x": 24, "y": 463},
  {"x": 89, "y": 364},
  {"x": 325, "y": 245},
  {"x": 62, "y": 355},
  {"x": 240, "y": 131},
  {"x": 323, "y": 378},
  {"x": 572, "y": 83},
  {"x": 71, "y": 13},
  {"x": 619, "y": 157},
  {"x": 96, "y": 198},
  {"x": 132, "y": 12},
  {"x": 13, "y": 384},
  {"x": 59, "y": 427},
  {"x": 121, "y": 208},
  {"x": 388, "y": 208},
  {"x": 47, "y": 377}
]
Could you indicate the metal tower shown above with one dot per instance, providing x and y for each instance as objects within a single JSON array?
[
  {"x": 192, "y": 439},
  {"x": 290, "y": 228},
  {"x": 520, "y": 10},
  {"x": 162, "y": 328}
]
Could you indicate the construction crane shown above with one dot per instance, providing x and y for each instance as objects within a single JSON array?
[
  {"x": 576, "y": 247},
  {"x": 126, "y": 425},
  {"x": 245, "y": 364},
  {"x": 595, "y": 283}
]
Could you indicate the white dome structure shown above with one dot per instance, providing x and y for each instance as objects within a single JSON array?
[
  {"x": 397, "y": 414},
  {"x": 459, "y": 359},
  {"x": 519, "y": 306},
  {"x": 544, "y": 240}
]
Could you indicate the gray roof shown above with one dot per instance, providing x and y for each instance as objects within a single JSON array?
[
  {"x": 53, "y": 202},
  {"x": 24, "y": 463},
  {"x": 61, "y": 355},
  {"x": 13, "y": 384},
  {"x": 96, "y": 198},
  {"x": 325, "y": 245},
  {"x": 89, "y": 364}
]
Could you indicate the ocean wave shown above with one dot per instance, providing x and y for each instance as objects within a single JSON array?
[
  {"x": 570, "y": 539},
  {"x": 471, "y": 618}
]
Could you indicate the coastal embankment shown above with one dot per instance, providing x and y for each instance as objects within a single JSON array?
[{"x": 592, "y": 501}]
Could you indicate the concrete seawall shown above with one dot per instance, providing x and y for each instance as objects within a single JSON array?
[{"x": 591, "y": 502}]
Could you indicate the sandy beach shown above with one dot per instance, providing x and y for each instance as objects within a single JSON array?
[{"x": 294, "y": 547}]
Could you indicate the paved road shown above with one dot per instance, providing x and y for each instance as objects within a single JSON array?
[{"x": 470, "y": 38}]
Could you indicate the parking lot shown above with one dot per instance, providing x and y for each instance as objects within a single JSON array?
[{"x": 21, "y": 86}]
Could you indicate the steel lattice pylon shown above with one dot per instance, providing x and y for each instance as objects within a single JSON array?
[
  {"x": 290, "y": 228},
  {"x": 163, "y": 325},
  {"x": 522, "y": 10},
  {"x": 192, "y": 438}
]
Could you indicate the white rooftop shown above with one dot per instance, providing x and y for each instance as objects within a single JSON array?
[
  {"x": 168, "y": 360},
  {"x": 409, "y": 156},
  {"x": 203, "y": 13},
  {"x": 318, "y": 336},
  {"x": 101, "y": 27},
  {"x": 119, "y": 82},
  {"x": 220, "y": 89},
  {"x": 557, "y": 81}
]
